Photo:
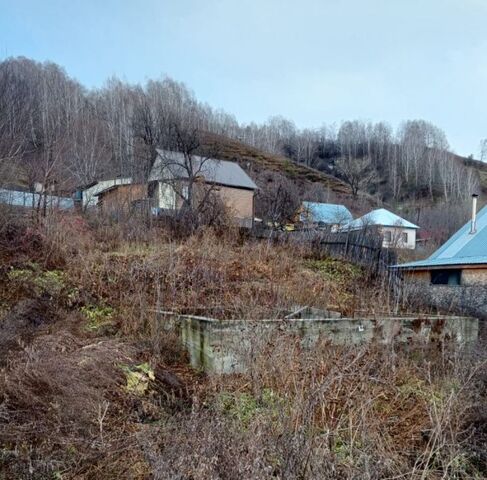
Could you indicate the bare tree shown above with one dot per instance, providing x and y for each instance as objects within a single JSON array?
[{"x": 358, "y": 173}]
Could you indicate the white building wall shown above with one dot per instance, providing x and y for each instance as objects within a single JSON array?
[
  {"x": 166, "y": 196},
  {"x": 394, "y": 237}
]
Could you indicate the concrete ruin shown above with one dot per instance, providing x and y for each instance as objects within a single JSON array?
[{"x": 223, "y": 346}]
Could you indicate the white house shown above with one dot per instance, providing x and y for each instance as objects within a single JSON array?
[{"x": 396, "y": 231}]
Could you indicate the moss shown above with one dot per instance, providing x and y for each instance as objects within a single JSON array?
[
  {"x": 99, "y": 317},
  {"x": 336, "y": 270},
  {"x": 50, "y": 282},
  {"x": 138, "y": 378},
  {"x": 244, "y": 407}
]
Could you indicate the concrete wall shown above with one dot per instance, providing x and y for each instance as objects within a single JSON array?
[{"x": 225, "y": 346}]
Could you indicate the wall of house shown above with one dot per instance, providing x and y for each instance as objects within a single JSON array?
[
  {"x": 239, "y": 201},
  {"x": 474, "y": 276},
  {"x": 120, "y": 199},
  {"x": 166, "y": 196},
  {"x": 470, "y": 276},
  {"x": 468, "y": 298},
  {"x": 396, "y": 237}
]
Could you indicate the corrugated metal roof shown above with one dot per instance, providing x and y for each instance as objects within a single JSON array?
[
  {"x": 31, "y": 200},
  {"x": 463, "y": 248},
  {"x": 329, "y": 213},
  {"x": 217, "y": 171},
  {"x": 381, "y": 217}
]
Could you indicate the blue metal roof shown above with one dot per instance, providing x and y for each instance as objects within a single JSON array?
[
  {"x": 328, "y": 213},
  {"x": 463, "y": 248},
  {"x": 381, "y": 217},
  {"x": 28, "y": 199}
]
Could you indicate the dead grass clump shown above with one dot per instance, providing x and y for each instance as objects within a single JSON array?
[
  {"x": 345, "y": 413},
  {"x": 63, "y": 410}
]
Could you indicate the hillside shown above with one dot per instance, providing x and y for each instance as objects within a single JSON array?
[
  {"x": 480, "y": 167},
  {"x": 257, "y": 161}
]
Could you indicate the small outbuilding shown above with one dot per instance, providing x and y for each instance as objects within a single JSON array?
[
  {"x": 324, "y": 215},
  {"x": 86, "y": 196},
  {"x": 119, "y": 199},
  {"x": 396, "y": 231}
]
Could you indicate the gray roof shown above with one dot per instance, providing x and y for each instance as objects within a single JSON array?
[
  {"x": 171, "y": 165},
  {"x": 463, "y": 248}
]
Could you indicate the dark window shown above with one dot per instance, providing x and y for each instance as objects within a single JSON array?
[
  {"x": 405, "y": 237},
  {"x": 388, "y": 237},
  {"x": 446, "y": 277}
]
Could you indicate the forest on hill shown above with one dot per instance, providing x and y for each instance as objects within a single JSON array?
[{"x": 55, "y": 131}]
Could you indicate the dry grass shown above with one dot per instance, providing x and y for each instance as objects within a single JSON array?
[{"x": 69, "y": 407}]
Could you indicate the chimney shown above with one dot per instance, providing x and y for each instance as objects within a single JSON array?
[{"x": 473, "y": 225}]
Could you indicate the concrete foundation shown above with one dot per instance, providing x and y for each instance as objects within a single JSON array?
[{"x": 225, "y": 346}]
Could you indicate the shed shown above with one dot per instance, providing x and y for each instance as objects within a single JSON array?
[{"x": 121, "y": 198}]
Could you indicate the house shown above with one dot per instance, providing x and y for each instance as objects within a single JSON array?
[
  {"x": 462, "y": 260},
  {"x": 121, "y": 198},
  {"x": 87, "y": 196},
  {"x": 396, "y": 231},
  {"x": 455, "y": 275},
  {"x": 169, "y": 176},
  {"x": 324, "y": 214}
]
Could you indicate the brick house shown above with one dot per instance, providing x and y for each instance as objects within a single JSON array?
[{"x": 169, "y": 176}]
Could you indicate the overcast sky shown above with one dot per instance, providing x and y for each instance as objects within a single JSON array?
[{"x": 312, "y": 61}]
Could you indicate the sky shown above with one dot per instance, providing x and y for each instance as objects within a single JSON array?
[{"x": 312, "y": 61}]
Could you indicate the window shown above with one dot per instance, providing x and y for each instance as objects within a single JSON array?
[
  {"x": 404, "y": 237},
  {"x": 387, "y": 236},
  {"x": 446, "y": 277}
]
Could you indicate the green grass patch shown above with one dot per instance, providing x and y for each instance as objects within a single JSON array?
[
  {"x": 335, "y": 270},
  {"x": 50, "y": 282},
  {"x": 99, "y": 318}
]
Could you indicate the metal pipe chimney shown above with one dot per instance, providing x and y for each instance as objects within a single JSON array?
[{"x": 473, "y": 225}]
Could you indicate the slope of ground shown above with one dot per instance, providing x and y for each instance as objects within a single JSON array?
[
  {"x": 255, "y": 160},
  {"x": 93, "y": 387},
  {"x": 481, "y": 168}
]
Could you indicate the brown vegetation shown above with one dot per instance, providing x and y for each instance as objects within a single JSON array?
[{"x": 92, "y": 387}]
